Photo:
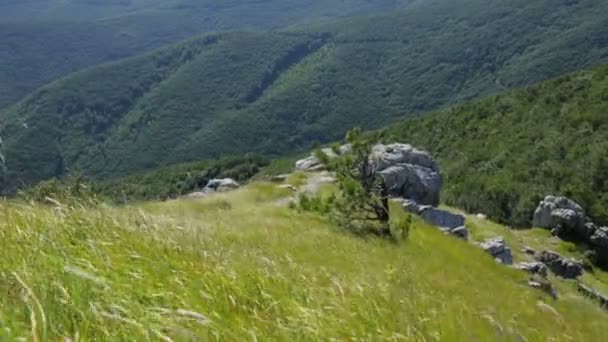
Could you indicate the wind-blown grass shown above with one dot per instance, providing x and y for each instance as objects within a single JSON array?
[{"x": 236, "y": 266}]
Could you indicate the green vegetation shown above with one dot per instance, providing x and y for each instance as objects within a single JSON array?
[
  {"x": 280, "y": 93},
  {"x": 503, "y": 154},
  {"x": 43, "y": 40},
  {"x": 237, "y": 266},
  {"x": 361, "y": 202},
  {"x": 180, "y": 179}
]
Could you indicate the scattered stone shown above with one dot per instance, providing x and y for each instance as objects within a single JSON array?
[
  {"x": 533, "y": 267},
  {"x": 279, "y": 178},
  {"x": 221, "y": 185},
  {"x": 498, "y": 249},
  {"x": 593, "y": 294},
  {"x": 565, "y": 268},
  {"x": 482, "y": 216}
]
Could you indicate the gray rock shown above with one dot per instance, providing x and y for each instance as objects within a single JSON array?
[
  {"x": 309, "y": 164},
  {"x": 561, "y": 214},
  {"x": 461, "y": 232},
  {"x": 410, "y": 206},
  {"x": 312, "y": 163},
  {"x": 415, "y": 182},
  {"x": 406, "y": 171},
  {"x": 221, "y": 185},
  {"x": 600, "y": 238},
  {"x": 385, "y": 156},
  {"x": 563, "y": 267},
  {"x": 441, "y": 218},
  {"x": 498, "y": 249},
  {"x": 533, "y": 267}
]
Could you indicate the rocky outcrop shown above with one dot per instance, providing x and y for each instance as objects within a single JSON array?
[
  {"x": 444, "y": 220},
  {"x": 221, "y": 185},
  {"x": 533, "y": 267},
  {"x": 567, "y": 220},
  {"x": 562, "y": 215},
  {"x": 563, "y": 267},
  {"x": 406, "y": 171},
  {"x": 498, "y": 249}
]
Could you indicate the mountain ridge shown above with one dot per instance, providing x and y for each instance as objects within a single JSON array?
[{"x": 391, "y": 66}]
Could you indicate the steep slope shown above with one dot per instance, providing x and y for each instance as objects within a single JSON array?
[
  {"x": 184, "y": 270},
  {"x": 277, "y": 93},
  {"x": 47, "y": 39},
  {"x": 503, "y": 154}
]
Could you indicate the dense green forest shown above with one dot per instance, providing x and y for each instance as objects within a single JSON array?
[
  {"x": 43, "y": 40},
  {"x": 502, "y": 155},
  {"x": 279, "y": 93}
]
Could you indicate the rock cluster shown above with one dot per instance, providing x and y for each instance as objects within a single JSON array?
[
  {"x": 568, "y": 220},
  {"x": 498, "y": 249},
  {"x": 406, "y": 171},
  {"x": 563, "y": 267}
]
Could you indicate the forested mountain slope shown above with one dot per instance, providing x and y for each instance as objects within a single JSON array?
[
  {"x": 43, "y": 40},
  {"x": 502, "y": 155},
  {"x": 276, "y": 93}
]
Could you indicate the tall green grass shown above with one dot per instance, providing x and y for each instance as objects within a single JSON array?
[{"x": 237, "y": 266}]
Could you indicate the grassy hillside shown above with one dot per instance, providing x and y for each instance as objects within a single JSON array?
[
  {"x": 46, "y": 39},
  {"x": 237, "y": 266},
  {"x": 279, "y": 93},
  {"x": 501, "y": 155}
]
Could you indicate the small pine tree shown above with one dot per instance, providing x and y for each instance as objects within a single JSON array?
[{"x": 361, "y": 204}]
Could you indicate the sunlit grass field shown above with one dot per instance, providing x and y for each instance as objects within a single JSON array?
[{"x": 238, "y": 266}]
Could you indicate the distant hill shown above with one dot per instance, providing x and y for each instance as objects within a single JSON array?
[
  {"x": 502, "y": 155},
  {"x": 282, "y": 92},
  {"x": 43, "y": 40}
]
